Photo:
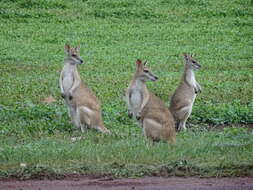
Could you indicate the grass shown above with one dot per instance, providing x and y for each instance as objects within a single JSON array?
[{"x": 112, "y": 35}]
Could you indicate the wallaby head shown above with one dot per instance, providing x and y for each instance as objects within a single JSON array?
[
  {"x": 73, "y": 54},
  {"x": 143, "y": 73},
  {"x": 190, "y": 62}
]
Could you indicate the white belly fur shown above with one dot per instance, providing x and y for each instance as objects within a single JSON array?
[
  {"x": 136, "y": 100},
  {"x": 68, "y": 82}
]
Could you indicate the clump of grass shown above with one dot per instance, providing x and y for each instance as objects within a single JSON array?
[{"x": 219, "y": 114}]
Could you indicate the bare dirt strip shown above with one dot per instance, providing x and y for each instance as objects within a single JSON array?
[{"x": 146, "y": 183}]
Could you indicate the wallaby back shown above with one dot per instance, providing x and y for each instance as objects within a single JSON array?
[
  {"x": 157, "y": 121},
  {"x": 88, "y": 107}
]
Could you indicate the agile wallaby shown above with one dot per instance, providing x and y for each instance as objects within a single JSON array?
[
  {"x": 137, "y": 94},
  {"x": 84, "y": 107},
  {"x": 183, "y": 98},
  {"x": 153, "y": 115}
]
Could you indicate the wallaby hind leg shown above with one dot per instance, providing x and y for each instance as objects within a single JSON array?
[
  {"x": 183, "y": 116},
  {"x": 90, "y": 118},
  {"x": 102, "y": 129},
  {"x": 182, "y": 122},
  {"x": 177, "y": 125},
  {"x": 72, "y": 114},
  {"x": 98, "y": 124},
  {"x": 84, "y": 118},
  {"x": 152, "y": 129},
  {"x": 77, "y": 121}
]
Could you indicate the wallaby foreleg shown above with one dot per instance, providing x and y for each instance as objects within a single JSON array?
[
  {"x": 61, "y": 86},
  {"x": 129, "y": 111},
  {"x": 199, "y": 89},
  {"x": 74, "y": 86},
  {"x": 144, "y": 102},
  {"x": 71, "y": 113}
]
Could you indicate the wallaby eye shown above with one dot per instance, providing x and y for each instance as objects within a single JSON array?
[
  {"x": 194, "y": 62},
  {"x": 145, "y": 71},
  {"x": 74, "y": 55}
]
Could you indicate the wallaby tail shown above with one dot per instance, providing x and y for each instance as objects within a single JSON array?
[
  {"x": 173, "y": 139},
  {"x": 104, "y": 130}
]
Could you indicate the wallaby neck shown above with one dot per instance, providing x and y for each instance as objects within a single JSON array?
[
  {"x": 70, "y": 64},
  {"x": 139, "y": 83},
  {"x": 189, "y": 76}
]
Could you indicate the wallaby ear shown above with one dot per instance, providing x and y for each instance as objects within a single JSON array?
[
  {"x": 77, "y": 48},
  {"x": 185, "y": 56},
  {"x": 138, "y": 62},
  {"x": 67, "y": 48},
  {"x": 193, "y": 55},
  {"x": 145, "y": 63}
]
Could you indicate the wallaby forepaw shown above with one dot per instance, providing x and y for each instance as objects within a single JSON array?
[
  {"x": 106, "y": 131},
  {"x": 130, "y": 114},
  {"x": 138, "y": 117},
  {"x": 63, "y": 95}
]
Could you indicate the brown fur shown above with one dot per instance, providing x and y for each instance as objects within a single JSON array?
[{"x": 155, "y": 110}]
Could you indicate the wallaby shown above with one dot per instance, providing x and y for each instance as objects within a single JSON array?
[
  {"x": 84, "y": 107},
  {"x": 153, "y": 115},
  {"x": 137, "y": 94},
  {"x": 183, "y": 98}
]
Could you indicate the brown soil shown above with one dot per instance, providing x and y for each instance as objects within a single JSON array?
[{"x": 146, "y": 183}]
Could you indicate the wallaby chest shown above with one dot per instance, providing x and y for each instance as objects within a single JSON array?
[
  {"x": 190, "y": 78},
  {"x": 136, "y": 97},
  {"x": 136, "y": 94},
  {"x": 68, "y": 76}
]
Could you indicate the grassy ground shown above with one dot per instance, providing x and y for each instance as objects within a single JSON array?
[{"x": 112, "y": 35}]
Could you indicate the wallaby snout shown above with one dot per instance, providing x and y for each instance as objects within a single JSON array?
[
  {"x": 154, "y": 78},
  {"x": 81, "y": 61},
  {"x": 196, "y": 65}
]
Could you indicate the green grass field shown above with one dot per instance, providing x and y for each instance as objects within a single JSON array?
[{"x": 112, "y": 35}]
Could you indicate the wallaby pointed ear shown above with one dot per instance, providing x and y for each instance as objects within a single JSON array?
[
  {"x": 145, "y": 63},
  {"x": 67, "y": 48},
  {"x": 185, "y": 55},
  {"x": 77, "y": 48},
  {"x": 138, "y": 62}
]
